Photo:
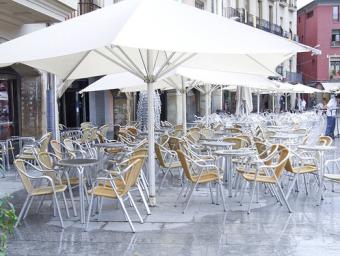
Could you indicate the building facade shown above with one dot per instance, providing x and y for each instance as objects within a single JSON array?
[
  {"x": 274, "y": 16},
  {"x": 319, "y": 26},
  {"x": 24, "y": 90}
]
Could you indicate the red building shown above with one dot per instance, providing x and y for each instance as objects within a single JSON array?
[{"x": 318, "y": 25}]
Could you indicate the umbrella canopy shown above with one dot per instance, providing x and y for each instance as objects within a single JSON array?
[
  {"x": 147, "y": 38},
  {"x": 124, "y": 29},
  {"x": 331, "y": 87}
]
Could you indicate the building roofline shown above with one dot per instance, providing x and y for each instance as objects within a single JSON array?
[{"x": 315, "y": 3}]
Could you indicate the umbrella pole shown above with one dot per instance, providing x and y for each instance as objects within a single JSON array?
[
  {"x": 207, "y": 105},
  {"x": 258, "y": 103},
  {"x": 151, "y": 133},
  {"x": 273, "y": 99},
  {"x": 286, "y": 102},
  {"x": 184, "y": 107}
]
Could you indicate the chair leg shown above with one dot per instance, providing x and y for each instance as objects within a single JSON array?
[
  {"x": 211, "y": 193},
  {"x": 143, "y": 199},
  {"x": 71, "y": 194},
  {"x": 126, "y": 214},
  {"x": 304, "y": 180},
  {"x": 284, "y": 198},
  {"x": 66, "y": 206},
  {"x": 145, "y": 185},
  {"x": 40, "y": 204},
  {"x": 220, "y": 185},
  {"x": 180, "y": 193},
  {"x": 163, "y": 179},
  {"x": 291, "y": 186},
  {"x": 58, "y": 209},
  {"x": 135, "y": 206},
  {"x": 252, "y": 197},
  {"x": 193, "y": 186},
  {"x": 89, "y": 213},
  {"x": 28, "y": 207},
  {"x": 100, "y": 207},
  {"x": 23, "y": 210},
  {"x": 243, "y": 188}
]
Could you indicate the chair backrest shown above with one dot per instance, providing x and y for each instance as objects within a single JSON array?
[
  {"x": 85, "y": 125},
  {"x": 69, "y": 144},
  {"x": 132, "y": 130},
  {"x": 234, "y": 130},
  {"x": 282, "y": 161},
  {"x": 174, "y": 143},
  {"x": 140, "y": 152},
  {"x": 159, "y": 155},
  {"x": 208, "y": 133},
  {"x": 56, "y": 148},
  {"x": 194, "y": 129},
  {"x": 263, "y": 151},
  {"x": 104, "y": 129},
  {"x": 325, "y": 140},
  {"x": 238, "y": 142},
  {"x": 163, "y": 140},
  {"x": 21, "y": 168},
  {"x": 185, "y": 165},
  {"x": 45, "y": 160},
  {"x": 93, "y": 135},
  {"x": 193, "y": 136},
  {"x": 44, "y": 141},
  {"x": 133, "y": 173},
  {"x": 245, "y": 137},
  {"x": 86, "y": 135}
]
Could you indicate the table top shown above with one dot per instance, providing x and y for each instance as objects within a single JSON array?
[
  {"x": 77, "y": 162},
  {"x": 316, "y": 148},
  {"x": 236, "y": 152},
  {"x": 109, "y": 145},
  {"x": 286, "y": 136},
  {"x": 218, "y": 143}
]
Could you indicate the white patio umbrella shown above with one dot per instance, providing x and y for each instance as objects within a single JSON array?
[{"x": 147, "y": 38}]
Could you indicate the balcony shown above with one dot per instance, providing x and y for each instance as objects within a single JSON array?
[
  {"x": 283, "y": 3},
  {"x": 85, "y": 7},
  {"x": 293, "y": 77},
  {"x": 292, "y": 6},
  {"x": 335, "y": 44},
  {"x": 242, "y": 16}
]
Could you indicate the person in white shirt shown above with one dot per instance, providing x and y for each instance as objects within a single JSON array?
[
  {"x": 331, "y": 113},
  {"x": 303, "y": 104}
]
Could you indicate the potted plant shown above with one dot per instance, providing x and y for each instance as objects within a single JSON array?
[{"x": 7, "y": 222}]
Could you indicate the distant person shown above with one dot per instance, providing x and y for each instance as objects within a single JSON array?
[
  {"x": 331, "y": 113},
  {"x": 303, "y": 104}
]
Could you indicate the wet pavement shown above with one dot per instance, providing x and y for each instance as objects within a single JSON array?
[{"x": 205, "y": 229}]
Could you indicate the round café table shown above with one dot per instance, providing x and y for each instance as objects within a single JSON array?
[
  {"x": 321, "y": 150},
  {"x": 228, "y": 155},
  {"x": 80, "y": 164},
  {"x": 218, "y": 144}
]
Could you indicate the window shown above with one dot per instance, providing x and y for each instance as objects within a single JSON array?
[
  {"x": 336, "y": 37},
  {"x": 199, "y": 4},
  {"x": 260, "y": 8},
  {"x": 271, "y": 14},
  {"x": 336, "y": 13},
  {"x": 310, "y": 14},
  {"x": 334, "y": 68}
]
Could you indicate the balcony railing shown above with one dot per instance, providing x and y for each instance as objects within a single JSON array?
[
  {"x": 293, "y": 77},
  {"x": 85, "y": 7},
  {"x": 335, "y": 44},
  {"x": 242, "y": 16}
]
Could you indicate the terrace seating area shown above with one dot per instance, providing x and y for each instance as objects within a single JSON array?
[{"x": 254, "y": 172}]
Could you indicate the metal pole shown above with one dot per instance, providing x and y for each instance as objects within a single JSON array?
[
  {"x": 286, "y": 102},
  {"x": 184, "y": 107},
  {"x": 258, "y": 103},
  {"x": 207, "y": 90},
  {"x": 151, "y": 131},
  {"x": 273, "y": 101}
]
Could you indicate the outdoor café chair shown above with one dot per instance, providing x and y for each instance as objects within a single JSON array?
[
  {"x": 120, "y": 191},
  {"x": 199, "y": 172},
  {"x": 51, "y": 189}
]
